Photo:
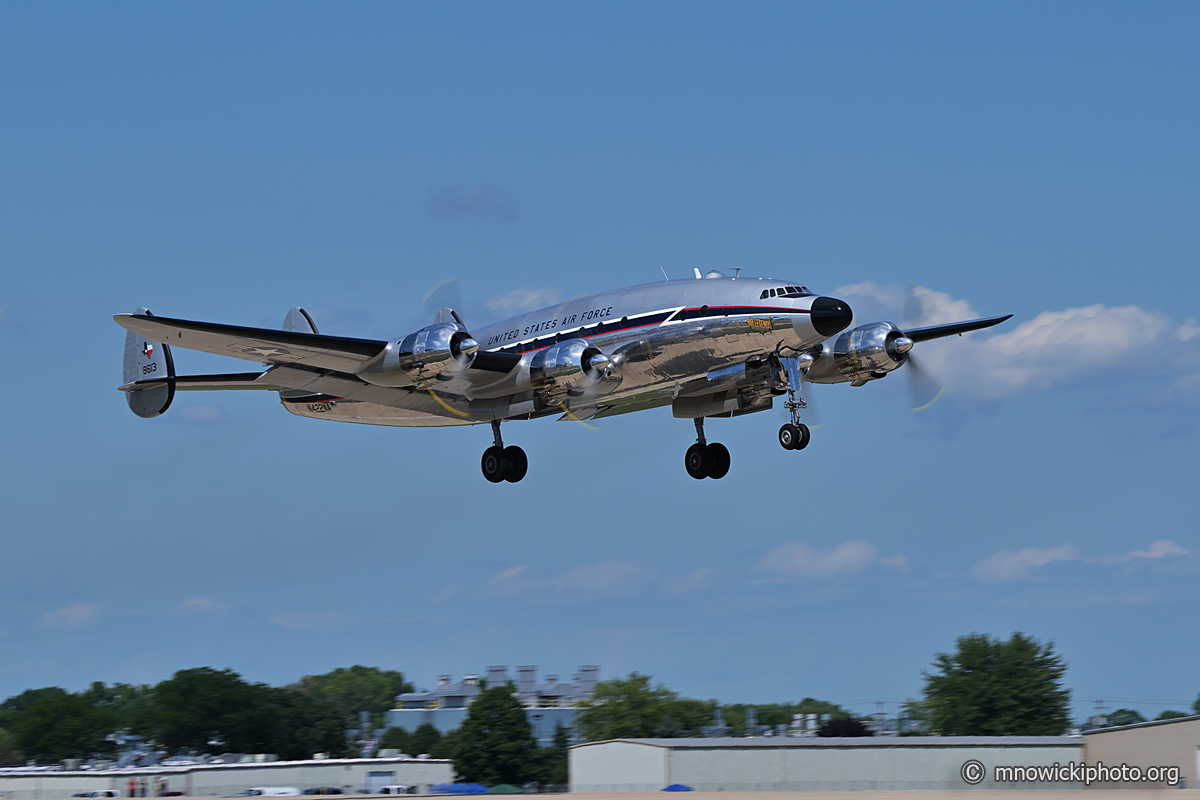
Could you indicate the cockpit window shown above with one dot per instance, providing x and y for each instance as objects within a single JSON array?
[
  {"x": 794, "y": 291},
  {"x": 763, "y": 296}
]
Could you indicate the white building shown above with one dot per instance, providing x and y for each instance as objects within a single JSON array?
[
  {"x": 813, "y": 764},
  {"x": 351, "y": 775}
]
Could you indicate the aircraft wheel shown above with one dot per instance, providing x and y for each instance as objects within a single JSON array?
[
  {"x": 805, "y": 435},
  {"x": 520, "y": 464},
  {"x": 496, "y": 464},
  {"x": 789, "y": 435},
  {"x": 720, "y": 460},
  {"x": 698, "y": 461}
]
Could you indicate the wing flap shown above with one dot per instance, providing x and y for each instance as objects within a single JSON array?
[{"x": 339, "y": 353}]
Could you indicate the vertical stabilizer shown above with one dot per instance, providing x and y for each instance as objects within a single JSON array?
[
  {"x": 145, "y": 361},
  {"x": 298, "y": 320}
]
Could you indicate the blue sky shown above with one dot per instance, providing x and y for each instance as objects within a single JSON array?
[{"x": 226, "y": 161}]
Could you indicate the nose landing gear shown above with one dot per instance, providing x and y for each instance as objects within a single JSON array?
[
  {"x": 500, "y": 463},
  {"x": 704, "y": 460},
  {"x": 795, "y": 434}
]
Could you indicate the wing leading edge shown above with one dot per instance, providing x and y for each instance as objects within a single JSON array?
[
  {"x": 339, "y": 353},
  {"x": 938, "y": 331}
]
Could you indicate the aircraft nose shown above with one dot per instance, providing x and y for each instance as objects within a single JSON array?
[{"x": 830, "y": 315}]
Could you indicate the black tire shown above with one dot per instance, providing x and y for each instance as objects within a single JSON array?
[
  {"x": 720, "y": 460},
  {"x": 805, "y": 435},
  {"x": 698, "y": 461},
  {"x": 789, "y": 435},
  {"x": 520, "y": 464},
  {"x": 495, "y": 464}
]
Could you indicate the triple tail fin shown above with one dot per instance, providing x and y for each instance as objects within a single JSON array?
[{"x": 144, "y": 362}]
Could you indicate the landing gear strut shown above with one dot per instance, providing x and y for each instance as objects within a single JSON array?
[
  {"x": 502, "y": 463},
  {"x": 704, "y": 460},
  {"x": 795, "y": 434}
]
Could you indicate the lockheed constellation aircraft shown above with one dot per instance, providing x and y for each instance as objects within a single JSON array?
[{"x": 711, "y": 347}]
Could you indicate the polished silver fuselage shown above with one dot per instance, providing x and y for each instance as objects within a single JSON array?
[{"x": 666, "y": 341}]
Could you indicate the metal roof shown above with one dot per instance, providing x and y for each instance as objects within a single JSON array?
[{"x": 856, "y": 741}]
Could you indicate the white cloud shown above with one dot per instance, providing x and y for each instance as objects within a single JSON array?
[
  {"x": 1092, "y": 345},
  {"x": 72, "y": 616},
  {"x": 1009, "y": 566},
  {"x": 1163, "y": 548},
  {"x": 799, "y": 560},
  {"x": 893, "y": 302},
  {"x": 203, "y": 604},
  {"x": 519, "y": 301},
  {"x": 695, "y": 581},
  {"x": 605, "y": 578}
]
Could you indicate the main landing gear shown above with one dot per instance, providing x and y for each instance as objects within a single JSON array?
[
  {"x": 704, "y": 460},
  {"x": 795, "y": 434},
  {"x": 502, "y": 463}
]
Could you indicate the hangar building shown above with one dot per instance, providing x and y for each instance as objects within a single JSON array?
[
  {"x": 1147, "y": 745},
  {"x": 812, "y": 764},
  {"x": 351, "y": 775}
]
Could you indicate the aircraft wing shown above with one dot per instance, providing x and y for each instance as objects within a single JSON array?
[
  {"x": 938, "y": 331},
  {"x": 338, "y": 353}
]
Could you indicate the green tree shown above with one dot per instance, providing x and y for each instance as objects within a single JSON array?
[
  {"x": 914, "y": 718},
  {"x": 555, "y": 757},
  {"x": 424, "y": 740},
  {"x": 132, "y": 704},
  {"x": 11, "y": 708},
  {"x": 1124, "y": 716},
  {"x": 356, "y": 689},
  {"x": 9, "y": 754},
  {"x": 396, "y": 739},
  {"x": 446, "y": 747},
  {"x": 308, "y": 725},
  {"x": 989, "y": 687},
  {"x": 1171, "y": 715},
  {"x": 625, "y": 708},
  {"x": 495, "y": 743},
  {"x": 55, "y": 727},
  {"x": 198, "y": 705},
  {"x": 1196, "y": 705}
]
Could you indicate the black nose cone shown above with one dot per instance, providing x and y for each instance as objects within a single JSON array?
[{"x": 830, "y": 315}]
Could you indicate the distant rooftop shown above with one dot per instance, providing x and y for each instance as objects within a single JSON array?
[{"x": 551, "y": 694}]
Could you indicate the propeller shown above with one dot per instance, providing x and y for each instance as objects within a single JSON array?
[
  {"x": 923, "y": 388},
  {"x": 446, "y": 294}
]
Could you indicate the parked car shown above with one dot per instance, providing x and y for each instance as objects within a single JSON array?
[{"x": 271, "y": 791}]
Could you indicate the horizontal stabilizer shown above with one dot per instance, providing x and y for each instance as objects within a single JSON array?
[
  {"x": 938, "y": 331},
  {"x": 204, "y": 383}
]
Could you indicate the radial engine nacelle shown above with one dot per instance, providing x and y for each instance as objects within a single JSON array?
[
  {"x": 422, "y": 356},
  {"x": 568, "y": 367},
  {"x": 861, "y": 354}
]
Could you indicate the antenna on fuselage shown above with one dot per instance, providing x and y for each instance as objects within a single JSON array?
[{"x": 664, "y": 272}]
